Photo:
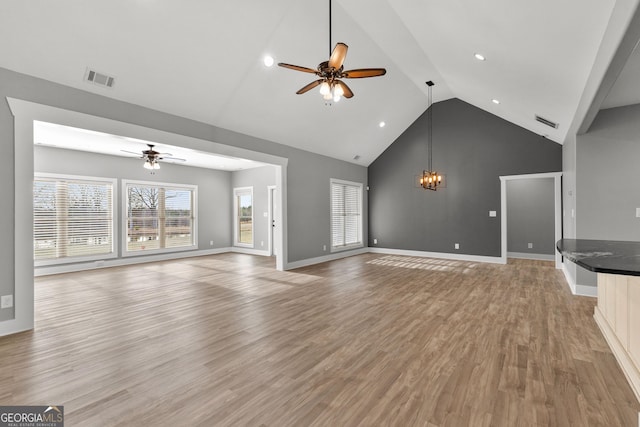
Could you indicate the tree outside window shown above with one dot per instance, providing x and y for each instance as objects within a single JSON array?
[{"x": 159, "y": 217}]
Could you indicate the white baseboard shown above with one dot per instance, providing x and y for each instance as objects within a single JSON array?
[
  {"x": 116, "y": 262},
  {"x": 441, "y": 255},
  {"x": 621, "y": 355},
  {"x": 249, "y": 251},
  {"x": 577, "y": 289},
  {"x": 587, "y": 291},
  {"x": 318, "y": 260},
  {"x": 525, "y": 255},
  {"x": 14, "y": 326}
]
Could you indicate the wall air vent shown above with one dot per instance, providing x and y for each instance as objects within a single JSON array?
[
  {"x": 99, "y": 79},
  {"x": 547, "y": 122}
]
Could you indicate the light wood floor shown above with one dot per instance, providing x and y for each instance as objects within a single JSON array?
[{"x": 368, "y": 340}]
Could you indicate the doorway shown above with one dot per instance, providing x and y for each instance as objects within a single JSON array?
[
  {"x": 25, "y": 113},
  {"x": 557, "y": 207}
]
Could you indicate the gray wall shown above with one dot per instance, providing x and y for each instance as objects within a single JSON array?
[
  {"x": 214, "y": 194},
  {"x": 472, "y": 148},
  {"x": 308, "y": 199},
  {"x": 608, "y": 186},
  {"x": 531, "y": 216},
  {"x": 259, "y": 179}
]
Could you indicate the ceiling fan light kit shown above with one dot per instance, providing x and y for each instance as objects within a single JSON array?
[
  {"x": 330, "y": 72},
  {"x": 151, "y": 164}
]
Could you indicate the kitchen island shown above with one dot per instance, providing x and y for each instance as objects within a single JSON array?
[{"x": 618, "y": 310}]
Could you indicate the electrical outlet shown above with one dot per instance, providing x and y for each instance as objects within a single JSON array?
[
  {"x": 637, "y": 212},
  {"x": 6, "y": 301},
  {"x": 210, "y": 242},
  {"x": 261, "y": 242},
  {"x": 375, "y": 241},
  {"x": 324, "y": 248},
  {"x": 530, "y": 245},
  {"x": 456, "y": 246}
]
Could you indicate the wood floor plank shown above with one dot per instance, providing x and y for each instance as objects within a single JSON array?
[{"x": 374, "y": 339}]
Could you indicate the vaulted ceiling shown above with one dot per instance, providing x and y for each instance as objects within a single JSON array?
[{"x": 204, "y": 60}]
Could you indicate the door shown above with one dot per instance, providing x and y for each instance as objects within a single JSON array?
[{"x": 273, "y": 206}]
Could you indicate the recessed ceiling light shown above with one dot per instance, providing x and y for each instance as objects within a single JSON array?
[
  {"x": 382, "y": 124},
  {"x": 495, "y": 101},
  {"x": 479, "y": 57},
  {"x": 268, "y": 60}
]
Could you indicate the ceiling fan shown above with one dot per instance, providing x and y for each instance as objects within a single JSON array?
[
  {"x": 331, "y": 71},
  {"x": 151, "y": 157}
]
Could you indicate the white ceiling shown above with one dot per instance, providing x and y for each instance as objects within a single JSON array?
[
  {"x": 70, "y": 138},
  {"x": 203, "y": 60},
  {"x": 626, "y": 89}
]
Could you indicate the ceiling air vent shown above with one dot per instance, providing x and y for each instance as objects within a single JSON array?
[
  {"x": 546, "y": 122},
  {"x": 97, "y": 78}
]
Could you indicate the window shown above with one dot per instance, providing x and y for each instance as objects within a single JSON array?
[
  {"x": 72, "y": 218},
  {"x": 160, "y": 217},
  {"x": 243, "y": 208},
  {"x": 346, "y": 215}
]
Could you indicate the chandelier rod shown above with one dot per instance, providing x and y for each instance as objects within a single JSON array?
[{"x": 430, "y": 127}]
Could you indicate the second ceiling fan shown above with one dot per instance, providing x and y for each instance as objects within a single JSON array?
[{"x": 331, "y": 71}]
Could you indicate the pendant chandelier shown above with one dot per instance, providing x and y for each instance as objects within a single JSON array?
[{"x": 430, "y": 179}]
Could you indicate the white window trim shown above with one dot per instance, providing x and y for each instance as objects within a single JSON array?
[
  {"x": 124, "y": 201},
  {"x": 114, "y": 236},
  {"x": 236, "y": 231},
  {"x": 355, "y": 245}
]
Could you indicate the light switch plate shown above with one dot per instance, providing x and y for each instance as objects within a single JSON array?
[
  {"x": 637, "y": 212},
  {"x": 492, "y": 213}
]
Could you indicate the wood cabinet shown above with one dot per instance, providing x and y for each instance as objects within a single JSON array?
[
  {"x": 618, "y": 316},
  {"x": 634, "y": 319}
]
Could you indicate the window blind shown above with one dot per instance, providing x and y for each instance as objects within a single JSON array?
[
  {"x": 346, "y": 214},
  {"x": 72, "y": 218}
]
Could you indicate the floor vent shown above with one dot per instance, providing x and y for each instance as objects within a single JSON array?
[
  {"x": 547, "y": 122},
  {"x": 100, "y": 79}
]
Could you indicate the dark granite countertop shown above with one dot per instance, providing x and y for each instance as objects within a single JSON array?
[{"x": 603, "y": 256}]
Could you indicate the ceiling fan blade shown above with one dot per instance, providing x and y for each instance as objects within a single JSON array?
[
  {"x": 297, "y": 68},
  {"x": 337, "y": 56},
  {"x": 171, "y": 159},
  {"x": 347, "y": 92},
  {"x": 131, "y": 152},
  {"x": 310, "y": 86},
  {"x": 361, "y": 73}
]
